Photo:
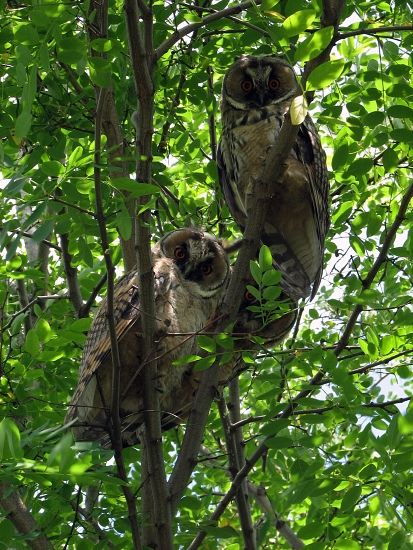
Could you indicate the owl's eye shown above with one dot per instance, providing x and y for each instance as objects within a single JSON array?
[
  {"x": 180, "y": 253},
  {"x": 247, "y": 85},
  {"x": 206, "y": 269},
  {"x": 274, "y": 84},
  {"x": 248, "y": 297}
]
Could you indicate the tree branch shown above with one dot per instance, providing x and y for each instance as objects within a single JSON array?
[
  {"x": 142, "y": 61},
  {"x": 184, "y": 31},
  {"x": 266, "y": 506},
  {"x": 21, "y": 518},
  {"x": 116, "y": 366},
  {"x": 110, "y": 123},
  {"x": 377, "y": 30},
  {"x": 257, "y": 208},
  {"x": 381, "y": 258},
  {"x": 93, "y": 522},
  {"x": 241, "y": 498}
]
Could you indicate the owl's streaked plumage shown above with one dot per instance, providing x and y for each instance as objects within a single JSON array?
[
  {"x": 191, "y": 272},
  {"x": 256, "y": 95},
  {"x": 248, "y": 324}
]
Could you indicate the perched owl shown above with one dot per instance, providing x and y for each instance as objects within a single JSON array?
[
  {"x": 257, "y": 92},
  {"x": 191, "y": 272},
  {"x": 248, "y": 324}
]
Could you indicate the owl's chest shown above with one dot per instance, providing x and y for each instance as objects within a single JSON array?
[
  {"x": 179, "y": 319},
  {"x": 248, "y": 145}
]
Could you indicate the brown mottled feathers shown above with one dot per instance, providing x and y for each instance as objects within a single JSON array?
[
  {"x": 256, "y": 95},
  {"x": 191, "y": 272},
  {"x": 248, "y": 325}
]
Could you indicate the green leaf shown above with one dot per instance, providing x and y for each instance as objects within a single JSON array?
[
  {"x": 23, "y": 125},
  {"x": 225, "y": 341},
  {"x": 360, "y": 167},
  {"x": 185, "y": 359},
  {"x": 43, "y": 330},
  {"x": 102, "y": 45},
  {"x": 75, "y": 156},
  {"x": 279, "y": 442},
  {"x": 325, "y": 74},
  {"x": 400, "y": 111},
  {"x": 298, "y": 22},
  {"x": 343, "y": 212},
  {"x": 15, "y": 243},
  {"x": 100, "y": 71},
  {"x": 10, "y": 446},
  {"x": 7, "y": 531},
  {"x": 390, "y": 160},
  {"x": 402, "y": 135},
  {"x": 298, "y": 110},
  {"x": 271, "y": 277},
  {"x": 207, "y": 343},
  {"x": 226, "y": 532},
  {"x": 265, "y": 258},
  {"x": 350, "y": 498},
  {"x": 272, "y": 293},
  {"x": 31, "y": 344},
  {"x": 314, "y": 45},
  {"x": 204, "y": 363},
  {"x": 137, "y": 189},
  {"x": 52, "y": 168},
  {"x": 43, "y": 231},
  {"x": 405, "y": 423},
  {"x": 124, "y": 223},
  {"x": 254, "y": 291},
  {"x": 35, "y": 215},
  {"x": 27, "y": 35},
  {"x": 340, "y": 157},
  {"x": 81, "y": 325},
  {"x": 256, "y": 272}
]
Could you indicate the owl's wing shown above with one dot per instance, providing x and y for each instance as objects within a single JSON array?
[
  {"x": 310, "y": 152},
  {"x": 98, "y": 348}
]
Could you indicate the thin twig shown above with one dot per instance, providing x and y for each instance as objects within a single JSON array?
[
  {"x": 377, "y": 30},
  {"x": 184, "y": 31}
]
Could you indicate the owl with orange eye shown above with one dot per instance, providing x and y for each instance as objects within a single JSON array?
[
  {"x": 191, "y": 272},
  {"x": 257, "y": 93}
]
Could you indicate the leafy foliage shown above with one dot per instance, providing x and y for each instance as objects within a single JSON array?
[{"x": 334, "y": 401}]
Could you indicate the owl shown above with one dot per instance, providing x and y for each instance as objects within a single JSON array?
[
  {"x": 191, "y": 272},
  {"x": 271, "y": 332},
  {"x": 257, "y": 93}
]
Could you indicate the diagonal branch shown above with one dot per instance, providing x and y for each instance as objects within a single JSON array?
[
  {"x": 23, "y": 521},
  {"x": 184, "y": 31},
  {"x": 257, "y": 208}
]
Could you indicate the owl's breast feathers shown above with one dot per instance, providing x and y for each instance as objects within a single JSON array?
[
  {"x": 298, "y": 214},
  {"x": 180, "y": 315}
]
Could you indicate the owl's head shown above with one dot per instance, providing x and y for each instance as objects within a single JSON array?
[
  {"x": 255, "y": 81},
  {"x": 199, "y": 258}
]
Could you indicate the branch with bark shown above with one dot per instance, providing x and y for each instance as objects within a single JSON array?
[
  {"x": 23, "y": 521},
  {"x": 142, "y": 60}
]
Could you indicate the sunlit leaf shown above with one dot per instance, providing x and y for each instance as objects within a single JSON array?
[
  {"x": 325, "y": 74},
  {"x": 298, "y": 22}
]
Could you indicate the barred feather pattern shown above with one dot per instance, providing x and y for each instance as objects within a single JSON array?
[
  {"x": 191, "y": 272},
  {"x": 298, "y": 216}
]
